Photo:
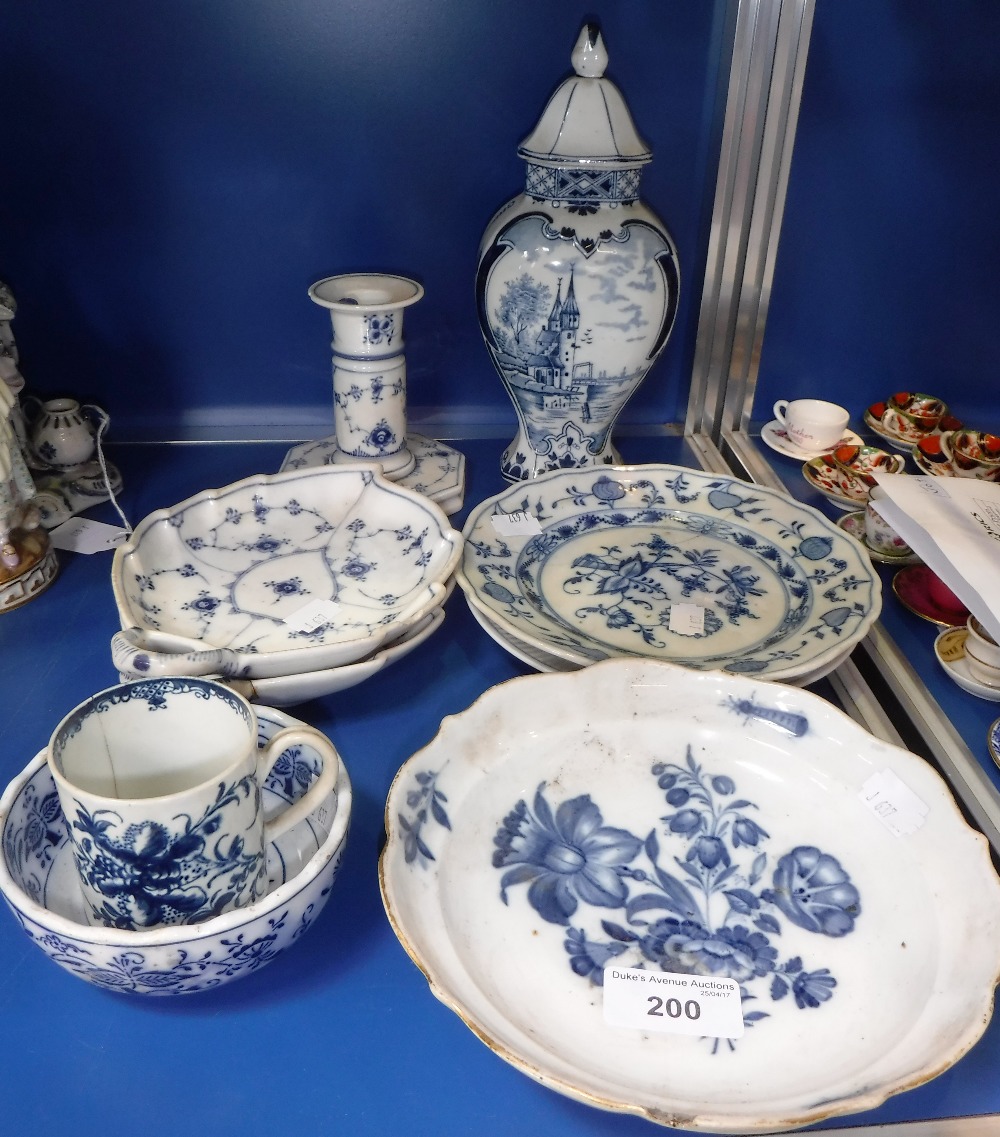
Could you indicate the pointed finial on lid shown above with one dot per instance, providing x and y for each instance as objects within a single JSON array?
[{"x": 590, "y": 56}]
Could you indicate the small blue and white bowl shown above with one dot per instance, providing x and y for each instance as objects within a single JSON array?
[{"x": 39, "y": 882}]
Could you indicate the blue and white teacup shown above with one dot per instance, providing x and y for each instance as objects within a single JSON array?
[{"x": 159, "y": 782}]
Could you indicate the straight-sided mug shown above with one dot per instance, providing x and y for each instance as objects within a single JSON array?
[
  {"x": 812, "y": 424},
  {"x": 160, "y": 785}
]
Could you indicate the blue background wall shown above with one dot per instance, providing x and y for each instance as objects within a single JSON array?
[
  {"x": 175, "y": 175},
  {"x": 888, "y": 269}
]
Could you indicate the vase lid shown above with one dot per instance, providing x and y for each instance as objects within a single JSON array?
[{"x": 586, "y": 121}]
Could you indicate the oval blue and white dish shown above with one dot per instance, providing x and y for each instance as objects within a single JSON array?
[
  {"x": 39, "y": 883},
  {"x": 589, "y": 565},
  {"x": 640, "y": 816},
  {"x": 279, "y": 574}
]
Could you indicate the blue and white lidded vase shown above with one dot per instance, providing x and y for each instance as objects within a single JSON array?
[{"x": 578, "y": 281}]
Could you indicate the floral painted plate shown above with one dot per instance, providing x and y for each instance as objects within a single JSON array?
[
  {"x": 621, "y": 558},
  {"x": 543, "y": 661},
  {"x": 666, "y": 823},
  {"x": 279, "y": 574}
]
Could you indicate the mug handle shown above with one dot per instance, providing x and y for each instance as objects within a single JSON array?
[
  {"x": 320, "y": 789},
  {"x": 779, "y": 411}
]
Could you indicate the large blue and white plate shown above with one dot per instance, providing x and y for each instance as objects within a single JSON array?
[
  {"x": 778, "y": 591},
  {"x": 644, "y": 816}
]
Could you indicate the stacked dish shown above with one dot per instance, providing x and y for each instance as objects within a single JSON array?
[
  {"x": 698, "y": 569},
  {"x": 40, "y": 884},
  {"x": 710, "y": 833},
  {"x": 285, "y": 580}
]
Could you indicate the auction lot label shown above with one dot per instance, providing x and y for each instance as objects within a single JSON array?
[{"x": 678, "y": 1004}]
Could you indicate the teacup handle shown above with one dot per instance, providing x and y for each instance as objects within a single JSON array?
[
  {"x": 780, "y": 407},
  {"x": 317, "y": 792}
]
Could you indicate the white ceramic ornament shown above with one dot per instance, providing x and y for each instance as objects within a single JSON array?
[{"x": 578, "y": 281}]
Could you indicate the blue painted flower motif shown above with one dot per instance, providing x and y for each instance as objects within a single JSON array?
[
  {"x": 291, "y": 587},
  {"x": 811, "y": 988},
  {"x": 712, "y": 918},
  {"x": 498, "y": 592},
  {"x": 380, "y": 437},
  {"x": 203, "y": 603},
  {"x": 356, "y": 568},
  {"x": 607, "y": 489},
  {"x": 569, "y": 856},
  {"x": 688, "y": 947},
  {"x": 150, "y": 874},
  {"x": 292, "y": 772},
  {"x": 813, "y": 891}
]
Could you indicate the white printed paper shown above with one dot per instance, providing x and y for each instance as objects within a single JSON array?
[
  {"x": 687, "y": 619},
  {"x": 81, "y": 535},
  {"x": 953, "y": 525},
  {"x": 520, "y": 523},
  {"x": 702, "y": 1005},
  {"x": 894, "y": 803},
  {"x": 315, "y": 614}
]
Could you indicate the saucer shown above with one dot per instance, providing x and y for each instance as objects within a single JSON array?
[
  {"x": 895, "y": 440},
  {"x": 823, "y": 478},
  {"x": 949, "y": 647},
  {"x": 775, "y": 436},
  {"x": 910, "y": 587},
  {"x": 854, "y": 524},
  {"x": 993, "y": 741},
  {"x": 934, "y": 469}
]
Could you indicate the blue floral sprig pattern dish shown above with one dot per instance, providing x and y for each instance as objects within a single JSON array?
[
  {"x": 220, "y": 581},
  {"x": 721, "y": 914},
  {"x": 778, "y": 589},
  {"x": 39, "y": 884},
  {"x": 640, "y": 815}
]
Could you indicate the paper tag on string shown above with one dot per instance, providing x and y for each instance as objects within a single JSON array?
[{"x": 81, "y": 535}]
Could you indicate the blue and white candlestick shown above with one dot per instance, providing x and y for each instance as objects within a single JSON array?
[{"x": 369, "y": 367}]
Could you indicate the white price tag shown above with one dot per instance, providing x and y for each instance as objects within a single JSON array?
[
  {"x": 687, "y": 619},
  {"x": 894, "y": 803},
  {"x": 81, "y": 535},
  {"x": 677, "y": 1004},
  {"x": 312, "y": 616},
  {"x": 520, "y": 523}
]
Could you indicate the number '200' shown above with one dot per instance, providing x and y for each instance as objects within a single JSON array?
[{"x": 673, "y": 1008}]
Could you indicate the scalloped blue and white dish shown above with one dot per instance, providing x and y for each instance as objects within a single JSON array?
[
  {"x": 780, "y": 590},
  {"x": 642, "y": 815},
  {"x": 219, "y": 583},
  {"x": 39, "y": 883}
]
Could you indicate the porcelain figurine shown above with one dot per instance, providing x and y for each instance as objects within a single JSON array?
[
  {"x": 28, "y": 563},
  {"x": 578, "y": 281}
]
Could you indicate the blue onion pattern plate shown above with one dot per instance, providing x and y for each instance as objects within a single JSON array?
[
  {"x": 778, "y": 590},
  {"x": 219, "y": 583},
  {"x": 39, "y": 884},
  {"x": 642, "y": 815}
]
